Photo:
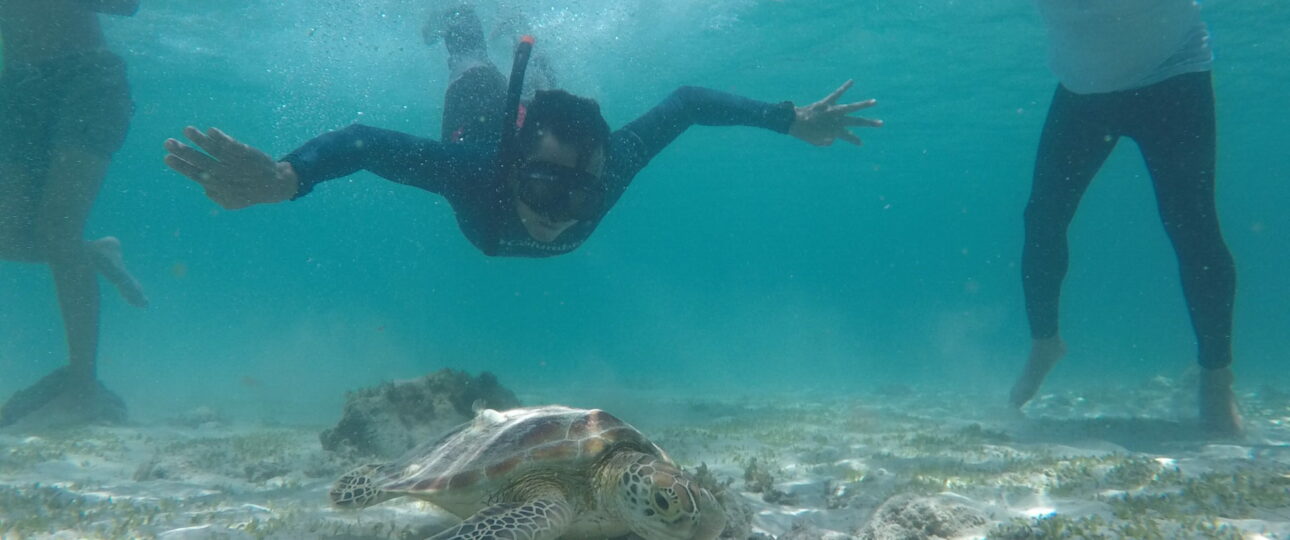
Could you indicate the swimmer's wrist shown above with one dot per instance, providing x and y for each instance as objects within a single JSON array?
[
  {"x": 287, "y": 181},
  {"x": 781, "y": 116}
]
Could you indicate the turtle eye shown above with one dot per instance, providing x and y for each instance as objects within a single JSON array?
[
  {"x": 660, "y": 502},
  {"x": 665, "y": 504}
]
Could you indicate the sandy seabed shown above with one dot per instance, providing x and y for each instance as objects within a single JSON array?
[{"x": 895, "y": 464}]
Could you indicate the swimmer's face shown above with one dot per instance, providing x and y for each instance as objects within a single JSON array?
[{"x": 550, "y": 149}]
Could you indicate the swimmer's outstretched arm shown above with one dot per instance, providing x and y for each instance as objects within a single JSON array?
[
  {"x": 236, "y": 175},
  {"x": 820, "y": 123},
  {"x": 111, "y": 7}
]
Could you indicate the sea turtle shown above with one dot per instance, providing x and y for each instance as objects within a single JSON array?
[{"x": 541, "y": 473}]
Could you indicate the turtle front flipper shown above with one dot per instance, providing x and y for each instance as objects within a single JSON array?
[
  {"x": 359, "y": 488},
  {"x": 544, "y": 518}
]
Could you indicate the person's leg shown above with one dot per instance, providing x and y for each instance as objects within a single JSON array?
[
  {"x": 28, "y": 112},
  {"x": 24, "y": 134},
  {"x": 1075, "y": 142},
  {"x": 463, "y": 36},
  {"x": 70, "y": 188},
  {"x": 472, "y": 108},
  {"x": 95, "y": 117},
  {"x": 17, "y": 210},
  {"x": 91, "y": 113},
  {"x": 473, "y": 102},
  {"x": 71, "y": 395},
  {"x": 1177, "y": 139},
  {"x": 108, "y": 259},
  {"x": 513, "y": 25},
  {"x": 18, "y": 204}
]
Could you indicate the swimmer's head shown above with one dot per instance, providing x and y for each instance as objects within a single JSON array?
[
  {"x": 562, "y": 141},
  {"x": 558, "y": 117}
]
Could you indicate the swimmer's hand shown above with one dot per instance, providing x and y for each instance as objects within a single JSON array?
[
  {"x": 233, "y": 174},
  {"x": 825, "y": 121}
]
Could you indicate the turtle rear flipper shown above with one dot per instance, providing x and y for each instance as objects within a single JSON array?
[
  {"x": 544, "y": 518},
  {"x": 359, "y": 489}
]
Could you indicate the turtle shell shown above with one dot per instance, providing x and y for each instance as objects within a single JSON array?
[{"x": 486, "y": 451}]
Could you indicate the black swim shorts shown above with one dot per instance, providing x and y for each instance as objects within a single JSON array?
[{"x": 80, "y": 100}]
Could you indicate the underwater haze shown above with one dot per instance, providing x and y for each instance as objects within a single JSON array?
[{"x": 740, "y": 261}]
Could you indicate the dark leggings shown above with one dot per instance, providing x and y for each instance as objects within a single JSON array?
[
  {"x": 1173, "y": 123},
  {"x": 473, "y": 103},
  {"x": 472, "y": 107}
]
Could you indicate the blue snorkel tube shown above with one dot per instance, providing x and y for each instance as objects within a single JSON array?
[{"x": 508, "y": 153}]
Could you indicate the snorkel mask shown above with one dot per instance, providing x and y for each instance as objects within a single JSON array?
[
  {"x": 555, "y": 191},
  {"x": 561, "y": 193}
]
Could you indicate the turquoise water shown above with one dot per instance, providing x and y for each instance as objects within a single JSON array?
[{"x": 740, "y": 260}]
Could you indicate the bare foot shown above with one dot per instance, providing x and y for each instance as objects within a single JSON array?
[
  {"x": 1218, "y": 412},
  {"x": 106, "y": 253},
  {"x": 1044, "y": 354}
]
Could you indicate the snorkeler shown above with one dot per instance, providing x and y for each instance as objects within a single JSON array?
[
  {"x": 1138, "y": 69},
  {"x": 64, "y": 110},
  {"x": 537, "y": 191}
]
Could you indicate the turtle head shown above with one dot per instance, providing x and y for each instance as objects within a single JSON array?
[
  {"x": 359, "y": 488},
  {"x": 661, "y": 502}
]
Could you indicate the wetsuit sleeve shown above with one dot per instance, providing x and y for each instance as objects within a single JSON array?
[
  {"x": 111, "y": 7},
  {"x": 395, "y": 156},
  {"x": 638, "y": 142}
]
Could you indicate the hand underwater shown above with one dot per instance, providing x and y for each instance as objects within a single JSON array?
[
  {"x": 233, "y": 174},
  {"x": 823, "y": 122}
]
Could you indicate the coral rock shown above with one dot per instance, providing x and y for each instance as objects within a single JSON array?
[
  {"x": 386, "y": 420},
  {"x": 908, "y": 517}
]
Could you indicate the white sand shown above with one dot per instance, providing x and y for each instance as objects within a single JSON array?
[{"x": 1090, "y": 462}]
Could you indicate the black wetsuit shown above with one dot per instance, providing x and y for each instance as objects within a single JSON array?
[
  {"x": 463, "y": 172},
  {"x": 1173, "y": 123}
]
